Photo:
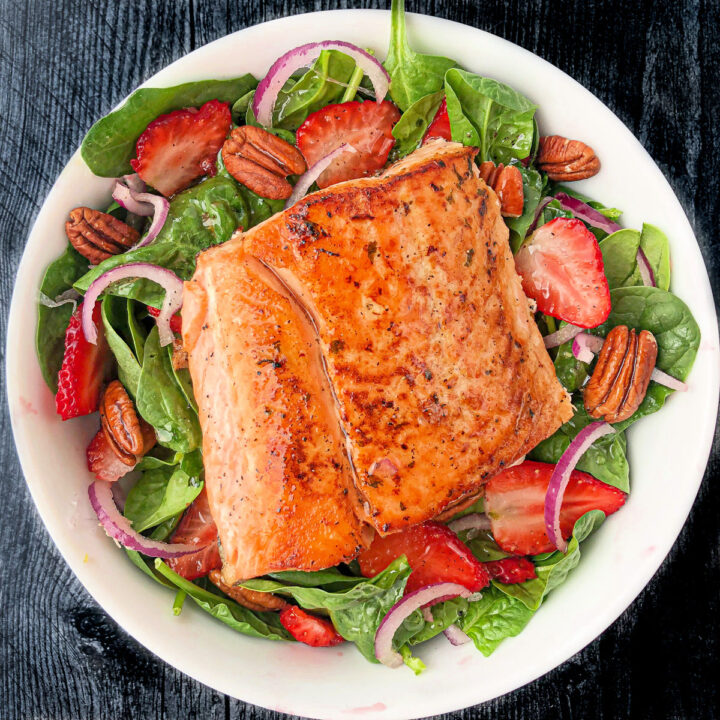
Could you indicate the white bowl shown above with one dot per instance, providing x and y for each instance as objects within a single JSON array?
[{"x": 668, "y": 451}]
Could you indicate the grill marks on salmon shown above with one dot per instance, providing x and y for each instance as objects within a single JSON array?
[{"x": 400, "y": 345}]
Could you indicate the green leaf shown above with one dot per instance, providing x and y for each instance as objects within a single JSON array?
[
  {"x": 138, "y": 333},
  {"x": 110, "y": 144},
  {"x": 114, "y": 317},
  {"x": 482, "y": 545},
  {"x": 532, "y": 191},
  {"x": 240, "y": 108},
  {"x": 444, "y": 615},
  {"x": 203, "y": 216},
  {"x": 160, "y": 495},
  {"x": 552, "y": 570},
  {"x": 414, "y": 122},
  {"x": 414, "y": 663},
  {"x": 570, "y": 371},
  {"x": 52, "y": 322},
  {"x": 356, "y": 611},
  {"x": 331, "y": 578},
  {"x": 490, "y": 115},
  {"x": 654, "y": 244},
  {"x": 619, "y": 252},
  {"x": 258, "y": 624},
  {"x": 162, "y": 403},
  {"x": 412, "y": 75}
]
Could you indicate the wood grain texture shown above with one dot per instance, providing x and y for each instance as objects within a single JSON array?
[{"x": 66, "y": 63}]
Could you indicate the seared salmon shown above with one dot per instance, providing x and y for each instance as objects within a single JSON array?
[{"x": 399, "y": 349}]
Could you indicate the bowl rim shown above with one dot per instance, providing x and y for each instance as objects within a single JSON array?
[{"x": 439, "y": 703}]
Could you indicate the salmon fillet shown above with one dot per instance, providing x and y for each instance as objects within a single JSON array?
[{"x": 421, "y": 364}]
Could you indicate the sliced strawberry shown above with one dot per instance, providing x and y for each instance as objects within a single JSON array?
[
  {"x": 178, "y": 147},
  {"x": 84, "y": 368},
  {"x": 435, "y": 554},
  {"x": 515, "y": 503},
  {"x": 309, "y": 629},
  {"x": 102, "y": 461},
  {"x": 198, "y": 527},
  {"x": 366, "y": 126},
  {"x": 511, "y": 570},
  {"x": 175, "y": 320},
  {"x": 562, "y": 269},
  {"x": 440, "y": 125}
]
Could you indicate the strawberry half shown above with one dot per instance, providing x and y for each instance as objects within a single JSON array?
[
  {"x": 183, "y": 145},
  {"x": 309, "y": 629},
  {"x": 511, "y": 570},
  {"x": 515, "y": 503},
  {"x": 84, "y": 368},
  {"x": 367, "y": 126},
  {"x": 435, "y": 554},
  {"x": 440, "y": 125},
  {"x": 102, "y": 460},
  {"x": 562, "y": 269},
  {"x": 197, "y": 527}
]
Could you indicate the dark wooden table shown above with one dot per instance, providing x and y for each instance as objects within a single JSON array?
[{"x": 64, "y": 64}]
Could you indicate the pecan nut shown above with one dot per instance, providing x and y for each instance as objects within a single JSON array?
[
  {"x": 622, "y": 374},
  {"x": 507, "y": 183},
  {"x": 179, "y": 355},
  {"x": 262, "y": 161},
  {"x": 565, "y": 160},
  {"x": 130, "y": 437},
  {"x": 251, "y": 599},
  {"x": 97, "y": 235}
]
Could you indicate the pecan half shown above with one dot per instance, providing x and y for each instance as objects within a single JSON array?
[
  {"x": 262, "y": 161},
  {"x": 565, "y": 160},
  {"x": 622, "y": 374},
  {"x": 179, "y": 355},
  {"x": 506, "y": 181},
  {"x": 251, "y": 599},
  {"x": 97, "y": 235},
  {"x": 129, "y": 436}
]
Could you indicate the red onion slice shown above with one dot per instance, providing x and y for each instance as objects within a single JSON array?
[
  {"x": 167, "y": 279},
  {"x": 303, "y": 56},
  {"x": 586, "y": 346},
  {"x": 134, "y": 182},
  {"x": 561, "y": 477},
  {"x": 646, "y": 271},
  {"x": 402, "y": 609},
  {"x": 583, "y": 211},
  {"x": 561, "y": 336},
  {"x": 119, "y": 528},
  {"x": 427, "y": 615},
  {"x": 668, "y": 380},
  {"x": 455, "y": 635},
  {"x": 312, "y": 174},
  {"x": 143, "y": 204},
  {"x": 474, "y": 521}
]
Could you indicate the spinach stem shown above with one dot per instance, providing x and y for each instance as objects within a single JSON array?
[
  {"x": 353, "y": 85},
  {"x": 179, "y": 602},
  {"x": 550, "y": 322}
]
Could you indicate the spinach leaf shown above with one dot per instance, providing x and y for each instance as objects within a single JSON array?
[
  {"x": 444, "y": 615},
  {"x": 619, "y": 252},
  {"x": 160, "y": 495},
  {"x": 330, "y": 579},
  {"x": 569, "y": 370},
  {"x": 52, "y": 322},
  {"x": 492, "y": 618},
  {"x": 414, "y": 663},
  {"x": 162, "y": 403},
  {"x": 138, "y": 334},
  {"x": 490, "y": 115},
  {"x": 605, "y": 459},
  {"x": 532, "y": 191},
  {"x": 356, "y": 611},
  {"x": 482, "y": 545},
  {"x": 247, "y": 622},
  {"x": 654, "y": 244},
  {"x": 114, "y": 317},
  {"x": 553, "y": 569},
  {"x": 240, "y": 108},
  {"x": 411, "y": 127},
  {"x": 200, "y": 217},
  {"x": 412, "y": 75},
  {"x": 110, "y": 144},
  {"x": 551, "y": 211}
]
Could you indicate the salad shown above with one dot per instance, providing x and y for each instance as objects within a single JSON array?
[{"x": 196, "y": 162}]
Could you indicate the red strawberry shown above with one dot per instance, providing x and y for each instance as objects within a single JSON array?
[
  {"x": 435, "y": 554},
  {"x": 511, "y": 570},
  {"x": 440, "y": 126},
  {"x": 198, "y": 527},
  {"x": 175, "y": 320},
  {"x": 366, "y": 126},
  {"x": 309, "y": 629},
  {"x": 178, "y": 147},
  {"x": 84, "y": 368},
  {"x": 562, "y": 269},
  {"x": 515, "y": 503},
  {"x": 102, "y": 461}
]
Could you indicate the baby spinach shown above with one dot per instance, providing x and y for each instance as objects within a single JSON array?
[
  {"x": 110, "y": 143},
  {"x": 329, "y": 579},
  {"x": 53, "y": 321},
  {"x": 138, "y": 334},
  {"x": 114, "y": 317},
  {"x": 482, "y": 545},
  {"x": 199, "y": 218},
  {"x": 490, "y": 115},
  {"x": 162, "y": 403},
  {"x": 571, "y": 373},
  {"x": 412, "y": 75},
  {"x": 654, "y": 244},
  {"x": 619, "y": 252},
  {"x": 414, "y": 122},
  {"x": 532, "y": 191}
]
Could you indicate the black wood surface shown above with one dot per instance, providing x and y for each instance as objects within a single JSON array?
[{"x": 67, "y": 62}]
